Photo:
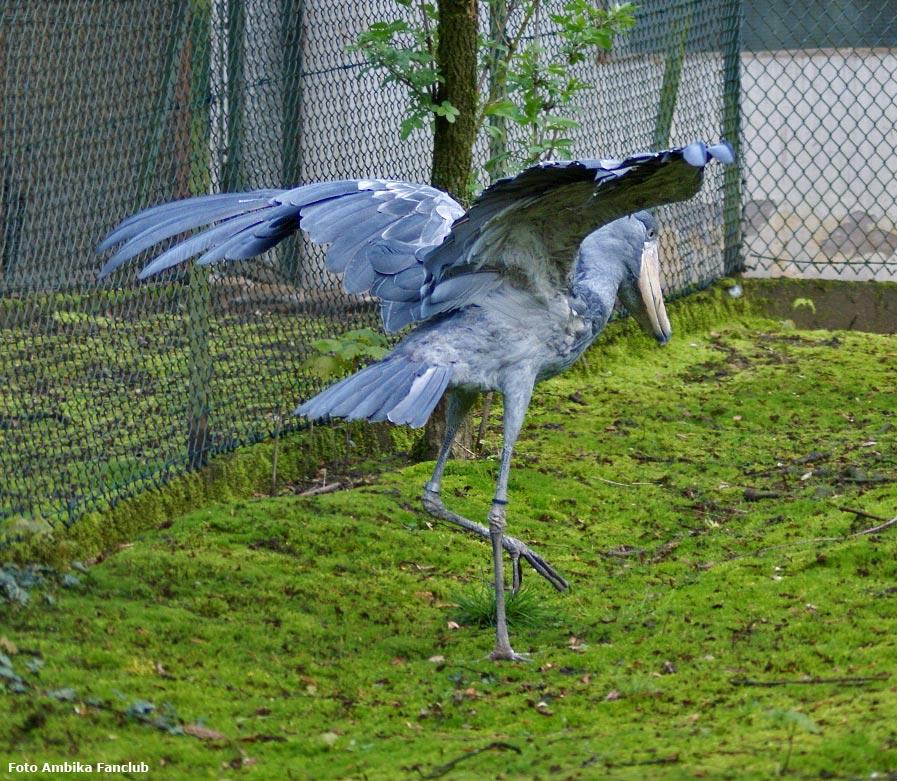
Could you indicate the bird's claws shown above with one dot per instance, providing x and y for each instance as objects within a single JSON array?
[
  {"x": 520, "y": 550},
  {"x": 517, "y": 549},
  {"x": 509, "y": 655}
]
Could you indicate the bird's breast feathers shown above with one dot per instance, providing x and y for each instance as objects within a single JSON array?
[{"x": 511, "y": 330}]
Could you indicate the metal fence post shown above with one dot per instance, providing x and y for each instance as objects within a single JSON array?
[
  {"x": 672, "y": 72},
  {"x": 198, "y": 303},
  {"x": 292, "y": 23},
  {"x": 199, "y": 361},
  {"x": 732, "y": 259}
]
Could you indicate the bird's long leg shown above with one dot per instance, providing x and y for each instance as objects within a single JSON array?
[
  {"x": 516, "y": 400},
  {"x": 459, "y": 404}
]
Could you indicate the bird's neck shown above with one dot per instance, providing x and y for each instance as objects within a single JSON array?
[{"x": 594, "y": 289}]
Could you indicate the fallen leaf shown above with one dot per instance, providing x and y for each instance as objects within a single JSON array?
[
  {"x": 239, "y": 762},
  {"x": 263, "y": 739},
  {"x": 203, "y": 733},
  {"x": 576, "y": 644},
  {"x": 329, "y": 738}
]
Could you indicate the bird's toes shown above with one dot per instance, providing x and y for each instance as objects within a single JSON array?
[
  {"x": 520, "y": 550},
  {"x": 432, "y": 501},
  {"x": 507, "y": 655}
]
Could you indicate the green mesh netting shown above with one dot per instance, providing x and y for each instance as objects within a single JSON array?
[{"x": 107, "y": 107}]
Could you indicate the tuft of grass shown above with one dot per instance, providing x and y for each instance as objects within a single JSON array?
[{"x": 525, "y": 609}]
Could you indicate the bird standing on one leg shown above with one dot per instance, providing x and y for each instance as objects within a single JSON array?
[{"x": 507, "y": 294}]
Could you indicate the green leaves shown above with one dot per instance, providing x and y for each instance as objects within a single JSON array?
[
  {"x": 582, "y": 26},
  {"x": 445, "y": 109},
  {"x": 538, "y": 88},
  {"x": 346, "y": 353},
  {"x": 529, "y": 93},
  {"x": 504, "y": 108},
  {"x": 405, "y": 54}
]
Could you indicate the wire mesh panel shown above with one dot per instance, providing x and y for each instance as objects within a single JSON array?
[
  {"x": 107, "y": 107},
  {"x": 819, "y": 96},
  {"x": 672, "y": 80}
]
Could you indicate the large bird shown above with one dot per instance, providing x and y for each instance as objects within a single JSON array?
[{"x": 506, "y": 294}]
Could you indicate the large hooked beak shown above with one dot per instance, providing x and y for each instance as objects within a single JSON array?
[{"x": 649, "y": 309}]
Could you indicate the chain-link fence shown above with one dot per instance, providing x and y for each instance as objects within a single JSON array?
[
  {"x": 107, "y": 107},
  {"x": 819, "y": 108}
]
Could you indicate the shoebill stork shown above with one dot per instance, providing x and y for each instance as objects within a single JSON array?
[{"x": 502, "y": 295}]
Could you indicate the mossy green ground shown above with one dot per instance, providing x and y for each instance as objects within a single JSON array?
[{"x": 726, "y": 619}]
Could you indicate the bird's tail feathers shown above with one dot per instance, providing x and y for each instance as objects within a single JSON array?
[{"x": 395, "y": 389}]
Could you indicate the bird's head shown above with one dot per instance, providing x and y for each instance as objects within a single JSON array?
[{"x": 640, "y": 289}]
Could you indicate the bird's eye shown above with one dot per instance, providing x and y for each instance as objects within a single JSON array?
[{"x": 652, "y": 234}]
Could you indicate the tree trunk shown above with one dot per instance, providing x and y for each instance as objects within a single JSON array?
[{"x": 456, "y": 57}]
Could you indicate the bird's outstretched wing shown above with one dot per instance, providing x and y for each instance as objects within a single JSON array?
[
  {"x": 377, "y": 231},
  {"x": 412, "y": 245},
  {"x": 528, "y": 227}
]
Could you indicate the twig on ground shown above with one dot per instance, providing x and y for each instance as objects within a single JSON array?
[
  {"x": 870, "y": 530},
  {"x": 670, "y": 760},
  {"x": 874, "y": 529},
  {"x": 441, "y": 770},
  {"x": 595, "y": 760},
  {"x": 323, "y": 489},
  {"x": 849, "y": 680},
  {"x": 862, "y": 514}
]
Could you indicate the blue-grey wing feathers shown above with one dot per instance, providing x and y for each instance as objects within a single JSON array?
[
  {"x": 530, "y": 226},
  {"x": 394, "y": 389},
  {"x": 377, "y": 232},
  {"x": 412, "y": 245},
  {"x": 417, "y": 250}
]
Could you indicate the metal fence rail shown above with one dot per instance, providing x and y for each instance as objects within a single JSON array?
[{"x": 107, "y": 107}]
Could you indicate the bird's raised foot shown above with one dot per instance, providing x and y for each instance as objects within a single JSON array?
[
  {"x": 520, "y": 550},
  {"x": 433, "y": 504}
]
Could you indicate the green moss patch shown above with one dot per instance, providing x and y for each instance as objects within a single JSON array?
[{"x": 730, "y": 616}]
